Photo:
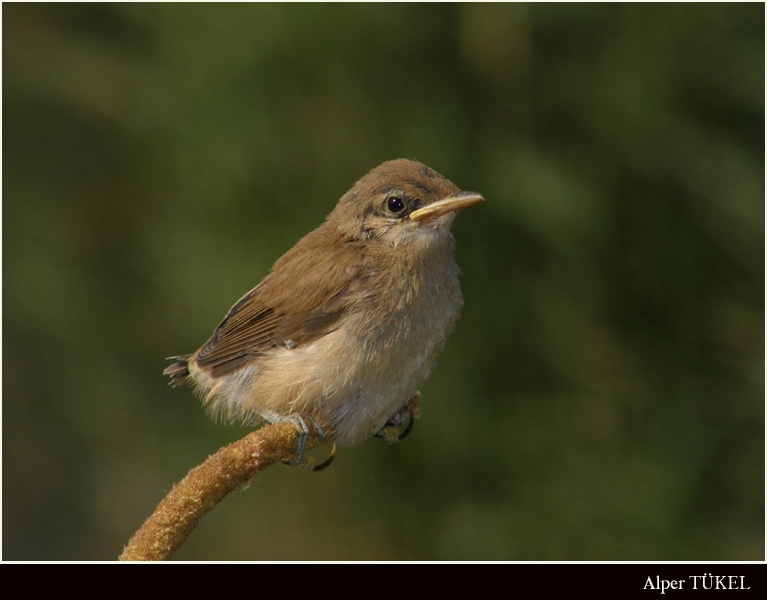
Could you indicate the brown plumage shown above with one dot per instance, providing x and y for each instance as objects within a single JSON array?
[{"x": 349, "y": 321}]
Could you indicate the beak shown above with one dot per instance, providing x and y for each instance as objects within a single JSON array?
[{"x": 447, "y": 205}]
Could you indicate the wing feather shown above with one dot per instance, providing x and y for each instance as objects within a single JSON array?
[{"x": 301, "y": 299}]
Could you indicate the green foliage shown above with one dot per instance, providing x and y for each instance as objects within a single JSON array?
[{"x": 603, "y": 395}]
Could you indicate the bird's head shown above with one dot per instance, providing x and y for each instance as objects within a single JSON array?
[{"x": 401, "y": 203}]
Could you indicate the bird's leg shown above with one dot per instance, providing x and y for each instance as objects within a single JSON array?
[
  {"x": 404, "y": 416},
  {"x": 303, "y": 435},
  {"x": 302, "y": 427}
]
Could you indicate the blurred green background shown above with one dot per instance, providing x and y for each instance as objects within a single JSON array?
[{"x": 602, "y": 397}]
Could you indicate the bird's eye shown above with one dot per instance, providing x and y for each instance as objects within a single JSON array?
[{"x": 395, "y": 204}]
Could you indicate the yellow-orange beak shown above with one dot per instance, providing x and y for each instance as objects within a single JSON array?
[{"x": 447, "y": 205}]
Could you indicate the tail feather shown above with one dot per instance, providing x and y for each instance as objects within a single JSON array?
[{"x": 178, "y": 371}]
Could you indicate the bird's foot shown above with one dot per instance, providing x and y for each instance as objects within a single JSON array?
[
  {"x": 302, "y": 425},
  {"x": 405, "y": 416}
]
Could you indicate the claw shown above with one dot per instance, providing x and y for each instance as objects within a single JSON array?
[
  {"x": 404, "y": 416},
  {"x": 328, "y": 461},
  {"x": 410, "y": 423}
]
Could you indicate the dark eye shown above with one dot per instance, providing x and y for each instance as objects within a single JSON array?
[{"x": 395, "y": 204}]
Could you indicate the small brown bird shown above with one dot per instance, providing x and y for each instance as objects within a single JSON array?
[{"x": 348, "y": 322}]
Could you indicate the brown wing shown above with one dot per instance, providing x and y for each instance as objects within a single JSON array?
[{"x": 302, "y": 299}]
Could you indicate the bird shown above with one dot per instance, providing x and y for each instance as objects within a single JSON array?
[{"x": 346, "y": 325}]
